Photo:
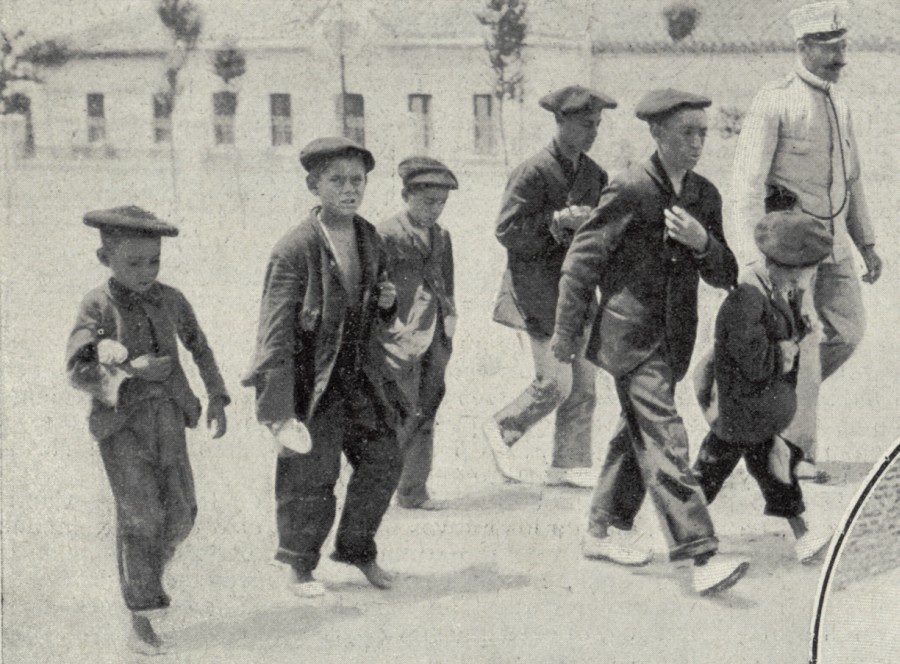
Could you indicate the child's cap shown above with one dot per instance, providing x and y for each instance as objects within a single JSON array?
[
  {"x": 329, "y": 147},
  {"x": 657, "y": 104},
  {"x": 419, "y": 170},
  {"x": 129, "y": 220},
  {"x": 792, "y": 238},
  {"x": 575, "y": 99}
]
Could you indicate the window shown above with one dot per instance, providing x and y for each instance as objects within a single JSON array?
[
  {"x": 282, "y": 132},
  {"x": 162, "y": 118},
  {"x": 420, "y": 114},
  {"x": 351, "y": 116},
  {"x": 96, "y": 118},
  {"x": 21, "y": 104},
  {"x": 484, "y": 125},
  {"x": 224, "y": 109}
]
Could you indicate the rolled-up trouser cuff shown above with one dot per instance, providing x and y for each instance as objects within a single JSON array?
[
  {"x": 694, "y": 549},
  {"x": 299, "y": 561},
  {"x": 599, "y": 523}
]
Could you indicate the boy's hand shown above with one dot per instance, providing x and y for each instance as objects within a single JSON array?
[
  {"x": 682, "y": 227},
  {"x": 572, "y": 217},
  {"x": 563, "y": 348},
  {"x": 788, "y": 349},
  {"x": 215, "y": 413},
  {"x": 387, "y": 295},
  {"x": 155, "y": 368}
]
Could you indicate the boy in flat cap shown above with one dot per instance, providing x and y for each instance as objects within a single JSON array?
[
  {"x": 547, "y": 197},
  {"x": 755, "y": 362},
  {"x": 123, "y": 351},
  {"x": 318, "y": 367},
  {"x": 797, "y": 150},
  {"x": 656, "y": 231},
  {"x": 418, "y": 344}
]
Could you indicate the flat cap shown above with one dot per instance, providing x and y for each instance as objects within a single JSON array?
[
  {"x": 576, "y": 99},
  {"x": 823, "y": 22},
  {"x": 129, "y": 220},
  {"x": 656, "y": 104},
  {"x": 792, "y": 238},
  {"x": 418, "y": 170},
  {"x": 330, "y": 147}
]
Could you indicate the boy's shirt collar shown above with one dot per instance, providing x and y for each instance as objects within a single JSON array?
[{"x": 125, "y": 295}]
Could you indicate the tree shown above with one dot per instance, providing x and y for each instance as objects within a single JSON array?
[
  {"x": 681, "y": 19},
  {"x": 184, "y": 23},
  {"x": 229, "y": 63},
  {"x": 21, "y": 60},
  {"x": 507, "y": 29}
]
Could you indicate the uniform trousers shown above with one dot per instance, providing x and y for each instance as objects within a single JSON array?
[
  {"x": 649, "y": 454},
  {"x": 718, "y": 458},
  {"x": 837, "y": 301},
  {"x": 346, "y": 420},
  {"x": 565, "y": 388},
  {"x": 150, "y": 475},
  {"x": 423, "y": 383}
]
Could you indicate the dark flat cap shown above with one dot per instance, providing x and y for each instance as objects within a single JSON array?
[
  {"x": 576, "y": 99},
  {"x": 426, "y": 171},
  {"x": 330, "y": 147},
  {"x": 792, "y": 238},
  {"x": 129, "y": 220},
  {"x": 656, "y": 104}
]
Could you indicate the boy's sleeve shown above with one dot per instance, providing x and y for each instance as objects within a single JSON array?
[
  {"x": 82, "y": 366},
  {"x": 272, "y": 373},
  {"x": 747, "y": 344},
  {"x": 194, "y": 340},
  {"x": 523, "y": 225}
]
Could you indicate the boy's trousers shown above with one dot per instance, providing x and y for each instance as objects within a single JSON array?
[
  {"x": 426, "y": 389},
  {"x": 718, "y": 458},
  {"x": 566, "y": 388},
  {"x": 346, "y": 420},
  {"x": 150, "y": 475},
  {"x": 649, "y": 454}
]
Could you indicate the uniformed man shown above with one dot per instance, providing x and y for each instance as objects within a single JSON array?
[
  {"x": 546, "y": 199},
  {"x": 797, "y": 151},
  {"x": 656, "y": 231}
]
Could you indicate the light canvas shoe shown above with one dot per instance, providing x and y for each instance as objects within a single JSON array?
[
  {"x": 579, "y": 478},
  {"x": 719, "y": 573},
  {"x": 812, "y": 546},
  {"x": 614, "y": 550},
  {"x": 304, "y": 586},
  {"x": 500, "y": 450}
]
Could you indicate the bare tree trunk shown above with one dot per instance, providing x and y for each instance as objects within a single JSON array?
[
  {"x": 174, "y": 173},
  {"x": 502, "y": 127}
]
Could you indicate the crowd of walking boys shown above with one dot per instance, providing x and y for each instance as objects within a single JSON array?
[{"x": 356, "y": 328}]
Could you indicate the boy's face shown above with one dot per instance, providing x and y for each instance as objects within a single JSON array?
[
  {"x": 579, "y": 130},
  {"x": 133, "y": 261},
  {"x": 786, "y": 278},
  {"x": 340, "y": 186},
  {"x": 425, "y": 204},
  {"x": 680, "y": 138}
]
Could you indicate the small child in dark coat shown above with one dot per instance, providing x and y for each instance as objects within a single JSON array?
[
  {"x": 419, "y": 342},
  {"x": 123, "y": 351},
  {"x": 753, "y": 397}
]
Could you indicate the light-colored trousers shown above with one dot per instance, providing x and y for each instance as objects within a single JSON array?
[
  {"x": 837, "y": 299},
  {"x": 566, "y": 388}
]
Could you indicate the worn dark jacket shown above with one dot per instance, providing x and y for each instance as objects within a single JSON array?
[
  {"x": 536, "y": 188},
  {"x": 756, "y": 398},
  {"x": 302, "y": 323},
  {"x": 648, "y": 284},
  {"x": 144, "y": 324}
]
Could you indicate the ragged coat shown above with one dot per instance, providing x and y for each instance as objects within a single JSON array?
[
  {"x": 147, "y": 323},
  {"x": 536, "y": 189},
  {"x": 648, "y": 283},
  {"x": 302, "y": 321}
]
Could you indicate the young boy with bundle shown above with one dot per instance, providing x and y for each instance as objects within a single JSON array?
[
  {"x": 123, "y": 351},
  {"x": 753, "y": 396},
  {"x": 419, "y": 343},
  {"x": 319, "y": 376}
]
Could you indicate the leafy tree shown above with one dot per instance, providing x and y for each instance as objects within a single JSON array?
[
  {"x": 507, "y": 29},
  {"x": 681, "y": 19},
  {"x": 22, "y": 59},
  {"x": 229, "y": 63},
  {"x": 183, "y": 20}
]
